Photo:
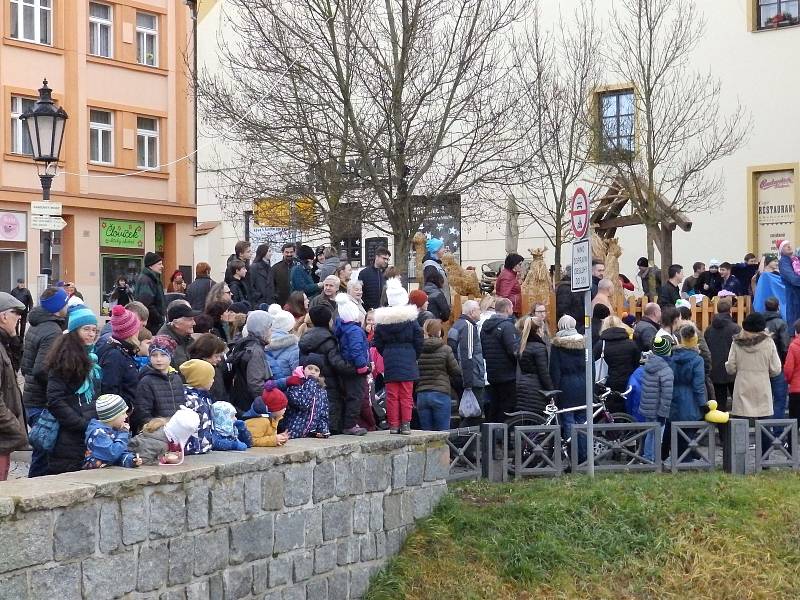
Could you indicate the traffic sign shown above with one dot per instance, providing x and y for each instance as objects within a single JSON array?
[
  {"x": 581, "y": 266},
  {"x": 579, "y": 214},
  {"x": 47, "y": 223},
  {"x": 51, "y": 209}
]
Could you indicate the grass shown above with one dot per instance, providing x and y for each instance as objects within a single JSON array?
[{"x": 623, "y": 537}]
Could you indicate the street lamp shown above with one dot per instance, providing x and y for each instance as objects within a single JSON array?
[{"x": 45, "y": 128}]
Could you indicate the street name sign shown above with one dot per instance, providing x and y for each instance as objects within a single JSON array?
[
  {"x": 50, "y": 209},
  {"x": 47, "y": 223}
]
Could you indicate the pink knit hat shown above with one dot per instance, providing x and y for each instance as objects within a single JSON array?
[{"x": 124, "y": 324}]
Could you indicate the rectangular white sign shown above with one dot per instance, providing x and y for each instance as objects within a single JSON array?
[
  {"x": 581, "y": 266},
  {"x": 47, "y": 223},
  {"x": 52, "y": 209}
]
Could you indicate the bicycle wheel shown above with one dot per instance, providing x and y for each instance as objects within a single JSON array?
[
  {"x": 634, "y": 446},
  {"x": 521, "y": 420}
]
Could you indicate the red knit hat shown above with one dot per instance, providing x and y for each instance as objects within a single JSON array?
[
  {"x": 417, "y": 297},
  {"x": 274, "y": 400},
  {"x": 124, "y": 323}
]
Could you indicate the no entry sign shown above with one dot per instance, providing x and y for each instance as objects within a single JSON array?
[{"x": 579, "y": 214}]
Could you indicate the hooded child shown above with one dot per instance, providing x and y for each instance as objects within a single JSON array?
[
  {"x": 107, "y": 436},
  {"x": 263, "y": 417},
  {"x": 307, "y": 410},
  {"x": 354, "y": 348},
  {"x": 199, "y": 377},
  {"x": 229, "y": 432}
]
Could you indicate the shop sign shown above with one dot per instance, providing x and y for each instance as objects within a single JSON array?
[
  {"x": 776, "y": 209},
  {"x": 115, "y": 233},
  {"x": 13, "y": 227}
]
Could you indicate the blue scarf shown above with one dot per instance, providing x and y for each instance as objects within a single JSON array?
[{"x": 87, "y": 390}]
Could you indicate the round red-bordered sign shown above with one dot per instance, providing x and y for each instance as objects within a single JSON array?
[{"x": 579, "y": 214}]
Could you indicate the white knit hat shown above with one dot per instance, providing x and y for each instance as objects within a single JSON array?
[
  {"x": 282, "y": 320},
  {"x": 347, "y": 309},
  {"x": 181, "y": 426},
  {"x": 396, "y": 294}
]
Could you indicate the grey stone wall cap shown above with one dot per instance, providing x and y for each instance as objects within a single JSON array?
[{"x": 43, "y": 493}]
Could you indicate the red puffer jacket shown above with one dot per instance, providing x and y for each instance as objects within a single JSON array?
[
  {"x": 507, "y": 286},
  {"x": 792, "y": 367}
]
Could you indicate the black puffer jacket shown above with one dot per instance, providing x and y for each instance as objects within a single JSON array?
[
  {"x": 719, "y": 338},
  {"x": 569, "y": 302},
  {"x": 44, "y": 328},
  {"x": 73, "y": 416},
  {"x": 438, "y": 304},
  {"x": 500, "y": 344},
  {"x": 436, "y": 365},
  {"x": 261, "y": 283},
  {"x": 320, "y": 343},
  {"x": 621, "y": 354},
  {"x": 120, "y": 371},
  {"x": 534, "y": 375},
  {"x": 157, "y": 395},
  {"x": 250, "y": 371}
]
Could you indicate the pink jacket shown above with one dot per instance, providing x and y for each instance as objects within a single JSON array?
[{"x": 507, "y": 286}]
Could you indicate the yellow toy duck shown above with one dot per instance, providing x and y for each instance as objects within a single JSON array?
[{"x": 716, "y": 416}]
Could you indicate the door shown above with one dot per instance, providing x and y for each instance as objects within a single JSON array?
[
  {"x": 112, "y": 268},
  {"x": 12, "y": 267}
]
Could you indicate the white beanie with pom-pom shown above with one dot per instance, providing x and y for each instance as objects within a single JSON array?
[
  {"x": 396, "y": 294},
  {"x": 282, "y": 320},
  {"x": 347, "y": 309}
]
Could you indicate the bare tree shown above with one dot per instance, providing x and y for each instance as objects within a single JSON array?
[
  {"x": 415, "y": 95},
  {"x": 665, "y": 166}
]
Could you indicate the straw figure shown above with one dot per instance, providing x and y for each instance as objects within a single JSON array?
[
  {"x": 418, "y": 241},
  {"x": 613, "y": 252},
  {"x": 463, "y": 282},
  {"x": 537, "y": 280}
]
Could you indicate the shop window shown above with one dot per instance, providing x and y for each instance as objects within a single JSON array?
[
  {"x": 12, "y": 267},
  {"x": 113, "y": 267},
  {"x": 616, "y": 111},
  {"x": 101, "y": 136},
  {"x": 20, "y": 143},
  {"x": 773, "y": 14},
  {"x": 32, "y": 21},
  {"x": 146, "y": 142},
  {"x": 101, "y": 41},
  {"x": 147, "y": 39}
]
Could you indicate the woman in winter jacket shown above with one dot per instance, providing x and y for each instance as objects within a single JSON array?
[
  {"x": 437, "y": 365},
  {"x": 534, "y": 372},
  {"x": 300, "y": 279},
  {"x": 568, "y": 372},
  {"x": 507, "y": 284},
  {"x": 753, "y": 359},
  {"x": 792, "y": 372},
  {"x": 438, "y": 304},
  {"x": 620, "y": 352},
  {"x": 688, "y": 387},
  {"x": 73, "y": 385},
  {"x": 117, "y": 356}
]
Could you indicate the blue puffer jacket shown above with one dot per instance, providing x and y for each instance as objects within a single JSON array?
[
  {"x": 120, "y": 370},
  {"x": 283, "y": 354},
  {"x": 398, "y": 338},
  {"x": 657, "y": 388},
  {"x": 300, "y": 280},
  {"x": 352, "y": 343},
  {"x": 106, "y": 446},
  {"x": 568, "y": 370},
  {"x": 688, "y": 388}
]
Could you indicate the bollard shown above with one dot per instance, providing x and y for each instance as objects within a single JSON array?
[
  {"x": 494, "y": 450},
  {"x": 734, "y": 448}
]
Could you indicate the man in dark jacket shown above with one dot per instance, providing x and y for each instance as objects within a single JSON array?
[
  {"x": 670, "y": 292},
  {"x": 719, "y": 338},
  {"x": 569, "y": 302},
  {"x": 372, "y": 279},
  {"x": 500, "y": 344},
  {"x": 47, "y": 322},
  {"x": 198, "y": 290},
  {"x": 279, "y": 274},
  {"x": 150, "y": 291},
  {"x": 179, "y": 327},
  {"x": 645, "y": 330},
  {"x": 464, "y": 339},
  {"x": 262, "y": 290},
  {"x": 644, "y": 275},
  {"x": 23, "y": 294},
  {"x": 777, "y": 327},
  {"x": 13, "y": 432},
  {"x": 238, "y": 282}
]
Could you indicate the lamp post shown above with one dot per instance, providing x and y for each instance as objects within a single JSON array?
[{"x": 45, "y": 128}]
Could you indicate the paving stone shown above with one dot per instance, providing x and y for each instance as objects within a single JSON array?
[
  {"x": 26, "y": 541},
  {"x": 415, "y": 470},
  {"x": 376, "y": 473},
  {"x": 303, "y": 565},
  {"x": 260, "y": 576},
  {"x": 109, "y": 577},
  {"x": 347, "y": 551},
  {"x": 325, "y": 558},
  {"x": 339, "y": 585},
  {"x": 376, "y": 513},
  {"x": 280, "y": 570},
  {"x": 313, "y": 518},
  {"x": 392, "y": 511},
  {"x": 368, "y": 550},
  {"x": 359, "y": 580},
  {"x": 380, "y": 544},
  {"x": 153, "y": 568},
  {"x": 62, "y": 582},
  {"x": 361, "y": 511},
  {"x": 14, "y": 587},
  {"x": 251, "y": 540},
  {"x": 75, "y": 532},
  {"x": 167, "y": 514},
  {"x": 181, "y": 560},
  {"x": 317, "y": 590},
  {"x": 437, "y": 463},
  {"x": 289, "y": 531},
  {"x": 294, "y": 593},
  {"x": 324, "y": 481},
  {"x": 298, "y": 484},
  {"x": 197, "y": 591},
  {"x": 110, "y": 532},
  {"x": 399, "y": 470},
  {"x": 197, "y": 504},
  {"x": 252, "y": 493}
]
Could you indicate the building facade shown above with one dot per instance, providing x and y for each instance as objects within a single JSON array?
[{"x": 119, "y": 70}]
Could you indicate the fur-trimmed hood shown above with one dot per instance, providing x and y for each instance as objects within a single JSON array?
[
  {"x": 396, "y": 314},
  {"x": 570, "y": 342},
  {"x": 748, "y": 341},
  {"x": 280, "y": 340}
]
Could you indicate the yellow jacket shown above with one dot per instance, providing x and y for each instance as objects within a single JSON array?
[{"x": 264, "y": 430}]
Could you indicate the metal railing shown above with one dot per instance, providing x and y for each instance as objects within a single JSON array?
[
  {"x": 618, "y": 447},
  {"x": 687, "y": 450},
  {"x": 537, "y": 450},
  {"x": 776, "y": 444},
  {"x": 465, "y": 453}
]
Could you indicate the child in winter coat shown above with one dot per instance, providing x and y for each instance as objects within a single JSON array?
[
  {"x": 229, "y": 433},
  {"x": 307, "y": 411},
  {"x": 162, "y": 441},
  {"x": 283, "y": 353},
  {"x": 656, "y": 396},
  {"x": 199, "y": 376},
  {"x": 437, "y": 365},
  {"x": 792, "y": 372},
  {"x": 107, "y": 435},
  {"x": 263, "y": 417},
  {"x": 355, "y": 350},
  {"x": 160, "y": 389}
]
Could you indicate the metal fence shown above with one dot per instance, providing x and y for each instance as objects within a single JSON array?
[
  {"x": 537, "y": 450},
  {"x": 692, "y": 446},
  {"x": 617, "y": 447},
  {"x": 465, "y": 453},
  {"x": 776, "y": 444}
]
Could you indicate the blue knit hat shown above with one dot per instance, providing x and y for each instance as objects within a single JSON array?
[
  {"x": 56, "y": 302},
  {"x": 79, "y": 316},
  {"x": 434, "y": 245}
]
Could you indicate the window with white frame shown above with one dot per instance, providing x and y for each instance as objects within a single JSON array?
[
  {"x": 20, "y": 143},
  {"x": 101, "y": 136},
  {"x": 101, "y": 22},
  {"x": 32, "y": 21},
  {"x": 147, "y": 39},
  {"x": 146, "y": 142}
]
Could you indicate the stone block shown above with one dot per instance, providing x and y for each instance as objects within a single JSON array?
[
  {"x": 260, "y": 576},
  {"x": 377, "y": 473},
  {"x": 26, "y": 541},
  {"x": 421, "y": 501},
  {"x": 289, "y": 531},
  {"x": 313, "y": 518},
  {"x": 380, "y": 544},
  {"x": 215, "y": 587},
  {"x": 197, "y": 504},
  {"x": 14, "y": 587},
  {"x": 298, "y": 482},
  {"x": 167, "y": 514},
  {"x": 135, "y": 525},
  {"x": 376, "y": 513},
  {"x": 437, "y": 492},
  {"x": 153, "y": 566},
  {"x": 110, "y": 532},
  {"x": 272, "y": 490},
  {"x": 210, "y": 552},
  {"x": 251, "y": 540},
  {"x": 339, "y": 585},
  {"x": 399, "y": 470},
  {"x": 227, "y": 501},
  {"x": 173, "y": 595},
  {"x": 75, "y": 532},
  {"x": 347, "y": 551},
  {"x": 109, "y": 577},
  {"x": 317, "y": 590},
  {"x": 393, "y": 511},
  {"x": 337, "y": 519},
  {"x": 197, "y": 591},
  {"x": 361, "y": 515},
  {"x": 415, "y": 471},
  {"x": 252, "y": 493},
  {"x": 280, "y": 570},
  {"x": 62, "y": 582},
  {"x": 357, "y": 474},
  {"x": 359, "y": 580},
  {"x": 393, "y": 542},
  {"x": 303, "y": 565},
  {"x": 294, "y": 593},
  {"x": 368, "y": 550},
  {"x": 437, "y": 463},
  {"x": 325, "y": 558},
  {"x": 237, "y": 582},
  {"x": 324, "y": 480},
  {"x": 181, "y": 560},
  {"x": 407, "y": 504},
  {"x": 341, "y": 477}
]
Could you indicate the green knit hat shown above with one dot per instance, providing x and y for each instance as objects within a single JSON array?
[
  {"x": 662, "y": 346},
  {"x": 109, "y": 407}
]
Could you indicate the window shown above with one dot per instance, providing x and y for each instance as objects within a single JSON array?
[
  {"x": 100, "y": 24},
  {"x": 778, "y": 13},
  {"x": 146, "y": 142},
  {"x": 32, "y": 21},
  {"x": 20, "y": 144},
  {"x": 616, "y": 122},
  {"x": 147, "y": 39},
  {"x": 101, "y": 137}
]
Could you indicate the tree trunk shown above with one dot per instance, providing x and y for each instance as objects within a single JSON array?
[
  {"x": 653, "y": 234},
  {"x": 666, "y": 247},
  {"x": 557, "y": 257},
  {"x": 402, "y": 255}
]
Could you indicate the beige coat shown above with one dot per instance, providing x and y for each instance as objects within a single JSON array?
[{"x": 753, "y": 359}]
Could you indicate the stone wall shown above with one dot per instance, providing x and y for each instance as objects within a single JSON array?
[{"x": 310, "y": 521}]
